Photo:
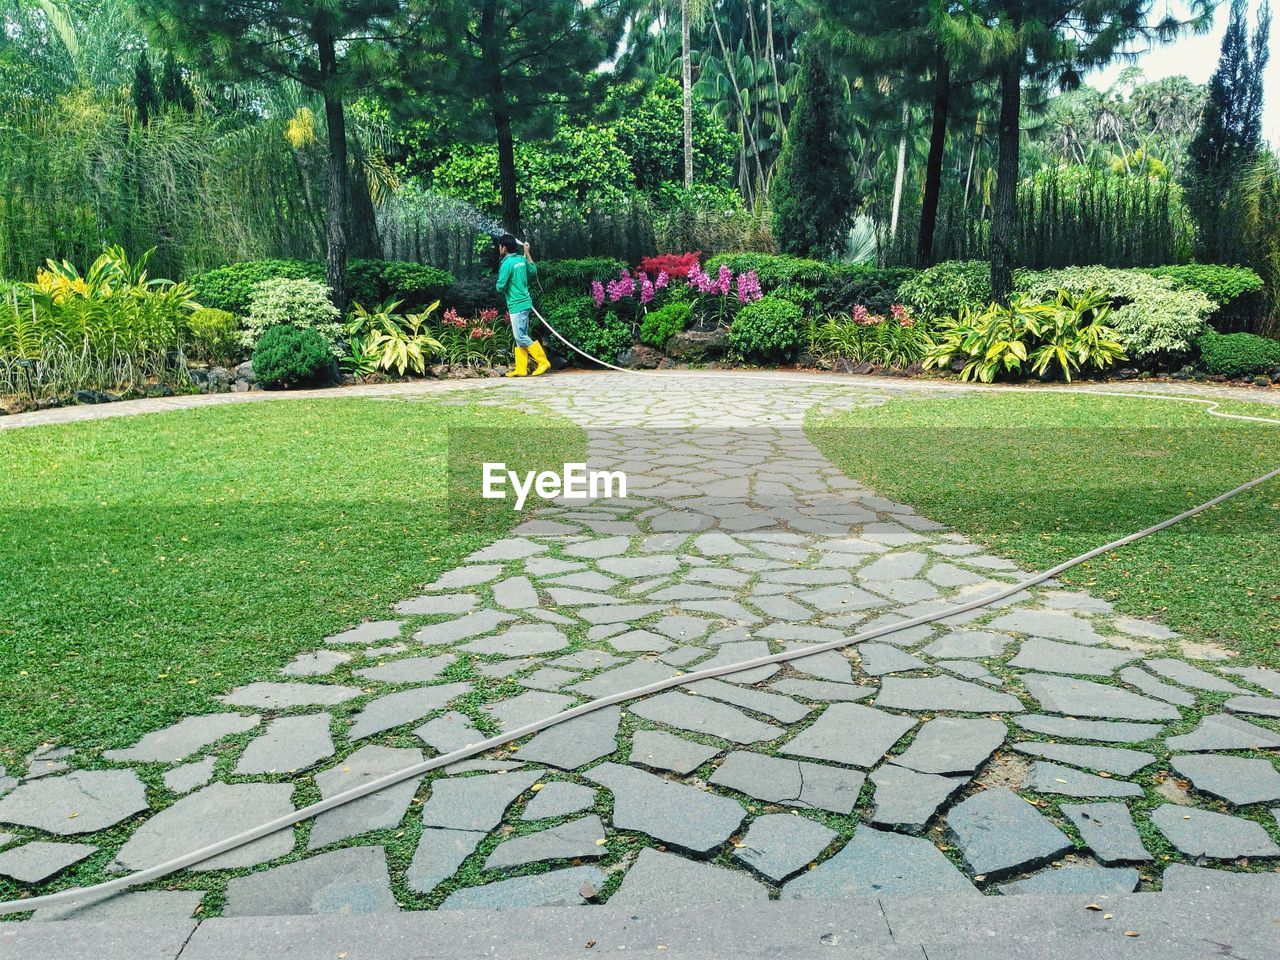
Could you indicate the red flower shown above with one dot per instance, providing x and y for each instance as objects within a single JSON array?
[{"x": 675, "y": 265}]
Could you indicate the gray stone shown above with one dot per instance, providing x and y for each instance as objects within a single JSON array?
[
  {"x": 208, "y": 816},
  {"x": 439, "y": 854},
  {"x": 469, "y": 576},
  {"x": 378, "y": 811},
  {"x": 599, "y": 549},
  {"x": 640, "y": 641},
  {"x": 587, "y": 660},
  {"x": 1261, "y": 706},
  {"x": 528, "y": 708},
  {"x": 512, "y": 548},
  {"x": 638, "y": 567},
  {"x": 1107, "y": 829},
  {"x": 669, "y": 812},
  {"x": 437, "y": 605},
  {"x": 449, "y": 732},
  {"x": 85, "y": 801},
  {"x": 1143, "y": 628},
  {"x": 1237, "y": 780},
  {"x": 944, "y": 693},
  {"x": 318, "y": 664},
  {"x": 1258, "y": 676},
  {"x": 575, "y": 840},
  {"x": 282, "y": 696},
  {"x": 407, "y": 706},
  {"x": 476, "y": 803},
  {"x": 825, "y": 690},
  {"x": 1155, "y": 688},
  {"x": 559, "y": 888},
  {"x": 1050, "y": 624},
  {"x": 704, "y": 716},
  {"x": 1202, "y": 833},
  {"x": 779, "y": 845},
  {"x": 1046, "y": 777},
  {"x": 5, "y": 838},
  {"x": 576, "y": 742},
  {"x": 187, "y": 777},
  {"x": 790, "y": 782},
  {"x": 880, "y": 863},
  {"x": 682, "y": 656},
  {"x": 559, "y": 799},
  {"x": 548, "y": 678},
  {"x": 409, "y": 670},
  {"x": 1222, "y": 732},
  {"x": 1000, "y": 834},
  {"x": 1084, "y": 698},
  {"x": 586, "y": 580},
  {"x": 1184, "y": 673},
  {"x": 126, "y": 908},
  {"x": 879, "y": 659},
  {"x": 907, "y": 800},
  {"x": 1107, "y": 759},
  {"x": 894, "y": 566},
  {"x": 1052, "y": 656},
  {"x": 666, "y": 880},
  {"x": 665, "y": 751},
  {"x": 1086, "y": 880},
  {"x": 972, "y": 644},
  {"x": 850, "y": 733},
  {"x": 183, "y": 738},
  {"x": 522, "y": 640},
  {"x": 683, "y": 628},
  {"x": 970, "y": 671},
  {"x": 951, "y": 746},
  {"x": 39, "y": 860},
  {"x": 462, "y": 628},
  {"x": 287, "y": 745},
  {"x": 344, "y": 881},
  {"x": 516, "y": 593},
  {"x": 1106, "y": 731},
  {"x": 368, "y": 633},
  {"x": 828, "y": 665},
  {"x": 732, "y": 654},
  {"x": 772, "y": 705},
  {"x": 637, "y": 673},
  {"x": 618, "y": 613},
  {"x": 1180, "y": 878}
]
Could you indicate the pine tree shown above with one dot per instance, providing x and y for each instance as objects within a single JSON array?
[
  {"x": 146, "y": 100},
  {"x": 174, "y": 90},
  {"x": 815, "y": 198}
]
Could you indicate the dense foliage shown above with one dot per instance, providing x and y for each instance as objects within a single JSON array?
[
  {"x": 303, "y": 304},
  {"x": 1238, "y": 354},
  {"x": 230, "y": 288},
  {"x": 662, "y": 324},
  {"x": 600, "y": 333},
  {"x": 287, "y": 356},
  {"x": 771, "y": 329}
]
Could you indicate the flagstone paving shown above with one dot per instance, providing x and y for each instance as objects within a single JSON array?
[{"x": 1041, "y": 745}]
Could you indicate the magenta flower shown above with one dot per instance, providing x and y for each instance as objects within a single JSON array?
[
  {"x": 597, "y": 293},
  {"x": 662, "y": 281},
  {"x": 646, "y": 289},
  {"x": 724, "y": 280},
  {"x": 748, "y": 287}
]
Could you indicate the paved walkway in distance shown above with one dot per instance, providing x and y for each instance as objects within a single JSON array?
[{"x": 1044, "y": 746}]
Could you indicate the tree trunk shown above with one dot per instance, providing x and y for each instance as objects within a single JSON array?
[
  {"x": 933, "y": 167},
  {"x": 1005, "y": 207},
  {"x": 508, "y": 184},
  {"x": 686, "y": 69},
  {"x": 336, "y": 223},
  {"x": 901, "y": 175}
]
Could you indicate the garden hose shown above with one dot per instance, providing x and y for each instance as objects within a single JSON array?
[{"x": 157, "y": 872}]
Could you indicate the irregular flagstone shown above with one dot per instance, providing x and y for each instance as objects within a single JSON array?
[
  {"x": 952, "y": 746},
  {"x": 575, "y": 840},
  {"x": 944, "y": 693},
  {"x": 39, "y": 860},
  {"x": 638, "y": 673},
  {"x": 576, "y": 742},
  {"x": 179, "y": 741},
  {"x": 880, "y": 863},
  {"x": 1087, "y": 880},
  {"x": 1258, "y": 676},
  {"x": 881, "y": 658},
  {"x": 665, "y": 751},
  {"x": 368, "y": 633},
  {"x": 1107, "y": 829},
  {"x": 1051, "y": 624},
  {"x": 474, "y": 804},
  {"x": 1107, "y": 731},
  {"x": 780, "y": 708},
  {"x": 1261, "y": 706},
  {"x": 1108, "y": 759},
  {"x": 682, "y": 627},
  {"x": 436, "y": 605},
  {"x": 894, "y": 566},
  {"x": 599, "y": 549},
  {"x": 826, "y": 690},
  {"x": 1237, "y": 780},
  {"x": 969, "y": 670},
  {"x": 703, "y": 716},
  {"x": 640, "y": 641},
  {"x": 635, "y": 568},
  {"x": 522, "y": 640},
  {"x": 587, "y": 660},
  {"x": 664, "y": 879},
  {"x": 378, "y": 811},
  {"x": 559, "y": 888},
  {"x": 288, "y": 744},
  {"x": 1222, "y": 732},
  {"x": 682, "y": 656},
  {"x": 838, "y": 598},
  {"x": 187, "y": 777},
  {"x": 472, "y": 625},
  {"x": 1046, "y": 777},
  {"x": 528, "y": 708},
  {"x": 210, "y": 815},
  {"x": 1155, "y": 688},
  {"x": 1202, "y": 833},
  {"x": 318, "y": 664},
  {"x": 586, "y": 580},
  {"x": 907, "y": 800},
  {"x": 549, "y": 678},
  {"x": 1180, "y": 878},
  {"x": 449, "y": 732},
  {"x": 619, "y": 613},
  {"x": 999, "y": 834},
  {"x": 136, "y": 907},
  {"x": 1052, "y": 656},
  {"x": 669, "y": 812},
  {"x": 779, "y": 845},
  {"x": 439, "y": 854},
  {"x": 974, "y": 644},
  {"x": 1084, "y": 698},
  {"x": 850, "y": 733},
  {"x": 516, "y": 593},
  {"x": 342, "y": 882},
  {"x": 407, "y": 706},
  {"x": 409, "y": 670},
  {"x": 282, "y": 696},
  {"x": 733, "y": 653},
  {"x": 559, "y": 799},
  {"x": 467, "y": 576},
  {"x": 85, "y": 801},
  {"x": 1179, "y": 671},
  {"x": 511, "y": 548},
  {"x": 790, "y": 782}
]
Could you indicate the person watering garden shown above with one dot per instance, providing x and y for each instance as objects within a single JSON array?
[{"x": 513, "y": 283}]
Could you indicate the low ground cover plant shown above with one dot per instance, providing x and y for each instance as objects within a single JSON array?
[
  {"x": 662, "y": 324},
  {"x": 1238, "y": 354},
  {"x": 892, "y": 339}
]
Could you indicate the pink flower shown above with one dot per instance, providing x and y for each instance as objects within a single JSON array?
[
  {"x": 481, "y": 333},
  {"x": 899, "y": 313},
  {"x": 623, "y": 287},
  {"x": 662, "y": 281},
  {"x": 699, "y": 281},
  {"x": 724, "y": 280},
  {"x": 451, "y": 319},
  {"x": 646, "y": 289},
  {"x": 488, "y": 316},
  {"x": 863, "y": 318},
  {"x": 748, "y": 287},
  {"x": 597, "y": 293}
]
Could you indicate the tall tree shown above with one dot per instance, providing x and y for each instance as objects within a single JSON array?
[
  {"x": 815, "y": 200},
  {"x": 146, "y": 98},
  {"x": 336, "y": 48}
]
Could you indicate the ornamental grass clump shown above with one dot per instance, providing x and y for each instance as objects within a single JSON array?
[{"x": 896, "y": 340}]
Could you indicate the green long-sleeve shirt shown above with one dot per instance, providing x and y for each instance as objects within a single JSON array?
[{"x": 513, "y": 281}]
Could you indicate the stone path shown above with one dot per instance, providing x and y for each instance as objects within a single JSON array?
[{"x": 1043, "y": 746}]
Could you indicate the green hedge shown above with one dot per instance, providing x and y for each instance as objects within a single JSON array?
[
  {"x": 662, "y": 324},
  {"x": 288, "y": 356},
  {"x": 768, "y": 330},
  {"x": 603, "y": 336},
  {"x": 1238, "y": 354},
  {"x": 576, "y": 275},
  {"x": 1237, "y": 291},
  {"x": 368, "y": 282}
]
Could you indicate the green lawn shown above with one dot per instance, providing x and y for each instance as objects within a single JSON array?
[
  {"x": 1041, "y": 478},
  {"x": 149, "y": 563}
]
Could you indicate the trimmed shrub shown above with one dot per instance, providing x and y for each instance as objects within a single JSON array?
[
  {"x": 288, "y": 356},
  {"x": 775, "y": 270},
  {"x": 368, "y": 281},
  {"x": 214, "y": 335},
  {"x": 416, "y": 285},
  {"x": 230, "y": 288},
  {"x": 674, "y": 265},
  {"x": 576, "y": 275},
  {"x": 862, "y": 284},
  {"x": 472, "y": 296},
  {"x": 1238, "y": 354},
  {"x": 661, "y": 325},
  {"x": 303, "y": 304},
  {"x": 1237, "y": 291},
  {"x": 769, "y": 329},
  {"x": 947, "y": 288},
  {"x": 603, "y": 336}
]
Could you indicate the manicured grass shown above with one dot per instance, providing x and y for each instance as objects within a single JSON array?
[
  {"x": 1042, "y": 478},
  {"x": 152, "y": 562}
]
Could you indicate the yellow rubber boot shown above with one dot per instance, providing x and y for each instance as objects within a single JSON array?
[
  {"x": 538, "y": 354},
  {"x": 522, "y": 363}
]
